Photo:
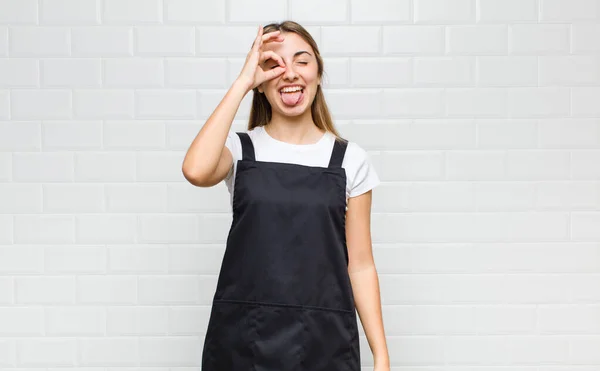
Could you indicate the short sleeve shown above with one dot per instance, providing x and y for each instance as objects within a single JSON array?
[
  {"x": 362, "y": 173},
  {"x": 235, "y": 147}
]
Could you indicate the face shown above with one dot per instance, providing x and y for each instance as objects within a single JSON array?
[{"x": 301, "y": 69}]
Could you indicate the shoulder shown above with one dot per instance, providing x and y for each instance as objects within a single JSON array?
[
  {"x": 361, "y": 173},
  {"x": 354, "y": 155},
  {"x": 234, "y": 143}
]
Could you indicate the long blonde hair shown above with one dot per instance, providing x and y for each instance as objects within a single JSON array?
[{"x": 260, "y": 111}]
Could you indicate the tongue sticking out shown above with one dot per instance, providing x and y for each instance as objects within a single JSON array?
[{"x": 291, "y": 99}]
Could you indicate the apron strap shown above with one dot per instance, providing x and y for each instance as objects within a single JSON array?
[
  {"x": 247, "y": 147},
  {"x": 338, "y": 152}
]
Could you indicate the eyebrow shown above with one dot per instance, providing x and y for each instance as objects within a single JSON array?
[{"x": 301, "y": 52}]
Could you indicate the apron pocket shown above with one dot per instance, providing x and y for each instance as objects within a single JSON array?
[
  {"x": 279, "y": 338},
  {"x": 229, "y": 337},
  {"x": 332, "y": 341}
]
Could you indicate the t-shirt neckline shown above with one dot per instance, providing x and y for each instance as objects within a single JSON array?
[{"x": 292, "y": 145}]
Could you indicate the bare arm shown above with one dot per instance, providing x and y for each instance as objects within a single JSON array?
[
  {"x": 363, "y": 276},
  {"x": 208, "y": 161}
]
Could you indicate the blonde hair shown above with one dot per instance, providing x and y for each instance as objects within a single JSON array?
[{"x": 260, "y": 111}]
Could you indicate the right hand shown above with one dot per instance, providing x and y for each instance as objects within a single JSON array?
[{"x": 252, "y": 74}]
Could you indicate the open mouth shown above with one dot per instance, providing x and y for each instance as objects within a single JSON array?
[{"x": 292, "y": 96}]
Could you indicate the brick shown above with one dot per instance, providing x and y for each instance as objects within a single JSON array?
[
  {"x": 134, "y": 72},
  {"x": 415, "y": 102},
  {"x": 538, "y": 102},
  {"x": 507, "y": 71},
  {"x": 106, "y": 289},
  {"x": 139, "y": 198},
  {"x": 105, "y": 229},
  {"x": 102, "y": 41},
  {"x": 37, "y": 352},
  {"x": 132, "y": 11},
  {"x": 39, "y": 41},
  {"x": 73, "y": 199},
  {"x": 192, "y": 11},
  {"x": 583, "y": 165},
  {"x": 138, "y": 320},
  {"x": 166, "y": 104},
  {"x": 97, "y": 351},
  {"x": 134, "y": 134},
  {"x": 374, "y": 72},
  {"x": 472, "y": 165},
  {"x": 444, "y": 11},
  {"x": 569, "y": 133},
  {"x": 20, "y": 198},
  {"x": 445, "y": 71},
  {"x": 71, "y": 135},
  {"x": 192, "y": 72},
  {"x": 310, "y": 11},
  {"x": 70, "y": 12},
  {"x": 103, "y": 104},
  {"x": 169, "y": 228},
  {"x": 584, "y": 38},
  {"x": 165, "y": 41},
  {"x": 19, "y": 72},
  {"x": 356, "y": 103},
  {"x": 3, "y": 41},
  {"x": 367, "y": 11},
  {"x": 41, "y": 104},
  {"x": 477, "y": 40},
  {"x": 139, "y": 259},
  {"x": 478, "y": 102},
  {"x": 506, "y": 133},
  {"x": 43, "y": 167},
  {"x": 44, "y": 229},
  {"x": 105, "y": 167},
  {"x": 569, "y": 70},
  {"x": 71, "y": 72},
  {"x": 21, "y": 260},
  {"x": 358, "y": 40},
  {"x": 225, "y": 41},
  {"x": 4, "y": 104},
  {"x": 413, "y": 40},
  {"x": 538, "y": 165},
  {"x": 153, "y": 166},
  {"x": 259, "y": 10},
  {"x": 585, "y": 101},
  {"x": 20, "y": 136},
  {"x": 84, "y": 321},
  {"x": 569, "y": 11},
  {"x": 539, "y": 39},
  {"x": 506, "y": 11},
  {"x": 19, "y": 12}
]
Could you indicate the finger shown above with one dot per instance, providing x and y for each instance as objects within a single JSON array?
[
  {"x": 271, "y": 74},
  {"x": 258, "y": 40},
  {"x": 270, "y": 35},
  {"x": 269, "y": 54}
]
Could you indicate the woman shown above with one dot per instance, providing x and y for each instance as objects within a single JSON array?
[{"x": 298, "y": 261}]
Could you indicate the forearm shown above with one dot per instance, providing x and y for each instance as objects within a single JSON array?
[
  {"x": 203, "y": 155},
  {"x": 365, "y": 287}
]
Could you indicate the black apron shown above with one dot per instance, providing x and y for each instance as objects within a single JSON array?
[{"x": 283, "y": 300}]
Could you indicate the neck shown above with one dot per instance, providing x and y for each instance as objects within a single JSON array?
[{"x": 294, "y": 132}]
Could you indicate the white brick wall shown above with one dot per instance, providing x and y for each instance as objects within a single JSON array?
[{"x": 482, "y": 118}]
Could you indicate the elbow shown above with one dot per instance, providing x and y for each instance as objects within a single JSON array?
[{"x": 194, "y": 176}]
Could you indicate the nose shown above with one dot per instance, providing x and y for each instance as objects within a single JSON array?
[{"x": 290, "y": 72}]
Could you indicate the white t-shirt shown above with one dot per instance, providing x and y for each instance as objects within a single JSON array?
[{"x": 360, "y": 173}]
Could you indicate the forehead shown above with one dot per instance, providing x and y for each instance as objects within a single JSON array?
[{"x": 290, "y": 45}]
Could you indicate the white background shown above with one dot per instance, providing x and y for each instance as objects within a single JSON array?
[{"x": 481, "y": 118}]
